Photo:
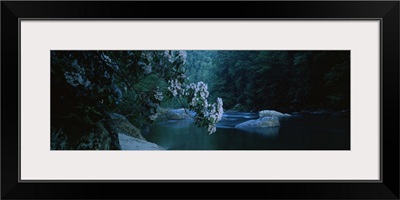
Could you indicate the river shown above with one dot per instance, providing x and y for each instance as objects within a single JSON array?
[{"x": 317, "y": 132}]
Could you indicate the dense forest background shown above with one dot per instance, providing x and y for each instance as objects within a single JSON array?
[{"x": 289, "y": 81}]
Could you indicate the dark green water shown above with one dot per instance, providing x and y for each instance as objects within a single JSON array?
[{"x": 295, "y": 133}]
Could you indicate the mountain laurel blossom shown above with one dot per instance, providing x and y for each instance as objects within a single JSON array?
[
  {"x": 196, "y": 94},
  {"x": 78, "y": 77},
  {"x": 181, "y": 55},
  {"x": 175, "y": 87},
  {"x": 153, "y": 117},
  {"x": 158, "y": 96}
]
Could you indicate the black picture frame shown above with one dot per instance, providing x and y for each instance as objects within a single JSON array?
[{"x": 386, "y": 11}]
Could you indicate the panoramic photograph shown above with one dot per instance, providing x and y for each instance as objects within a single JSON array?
[{"x": 200, "y": 100}]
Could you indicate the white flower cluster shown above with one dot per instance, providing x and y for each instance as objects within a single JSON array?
[
  {"x": 197, "y": 95},
  {"x": 148, "y": 55},
  {"x": 211, "y": 128},
  {"x": 182, "y": 55},
  {"x": 200, "y": 94},
  {"x": 220, "y": 109},
  {"x": 175, "y": 87},
  {"x": 159, "y": 96},
  {"x": 168, "y": 54},
  {"x": 110, "y": 62},
  {"x": 153, "y": 117},
  {"x": 147, "y": 69},
  {"x": 215, "y": 115},
  {"x": 78, "y": 77}
]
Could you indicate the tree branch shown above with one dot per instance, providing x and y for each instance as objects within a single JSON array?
[{"x": 179, "y": 99}]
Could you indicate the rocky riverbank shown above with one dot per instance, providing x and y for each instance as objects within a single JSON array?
[
  {"x": 132, "y": 143},
  {"x": 129, "y": 136}
]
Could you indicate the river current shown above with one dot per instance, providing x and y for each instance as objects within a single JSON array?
[{"x": 299, "y": 132}]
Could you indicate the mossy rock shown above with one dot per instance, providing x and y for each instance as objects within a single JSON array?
[
  {"x": 121, "y": 125},
  {"x": 262, "y": 122}
]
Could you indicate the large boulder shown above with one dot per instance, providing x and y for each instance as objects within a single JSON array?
[
  {"x": 132, "y": 143},
  {"x": 119, "y": 124},
  {"x": 100, "y": 138},
  {"x": 272, "y": 113},
  {"x": 104, "y": 135},
  {"x": 129, "y": 136},
  {"x": 106, "y": 139},
  {"x": 262, "y": 122},
  {"x": 175, "y": 115},
  {"x": 165, "y": 114},
  {"x": 179, "y": 114}
]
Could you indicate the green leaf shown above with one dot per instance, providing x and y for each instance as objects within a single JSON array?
[
  {"x": 97, "y": 113},
  {"x": 110, "y": 99}
]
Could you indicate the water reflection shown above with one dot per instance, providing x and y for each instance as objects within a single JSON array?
[
  {"x": 271, "y": 132},
  {"x": 295, "y": 133},
  {"x": 180, "y": 134}
]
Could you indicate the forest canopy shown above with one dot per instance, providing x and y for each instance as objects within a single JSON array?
[{"x": 289, "y": 81}]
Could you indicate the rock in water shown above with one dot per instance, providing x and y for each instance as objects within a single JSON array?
[
  {"x": 262, "y": 122},
  {"x": 175, "y": 115},
  {"x": 178, "y": 114},
  {"x": 131, "y": 143},
  {"x": 272, "y": 113}
]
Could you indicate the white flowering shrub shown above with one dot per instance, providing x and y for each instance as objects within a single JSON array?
[
  {"x": 170, "y": 64},
  {"x": 86, "y": 85},
  {"x": 208, "y": 115},
  {"x": 77, "y": 76}
]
